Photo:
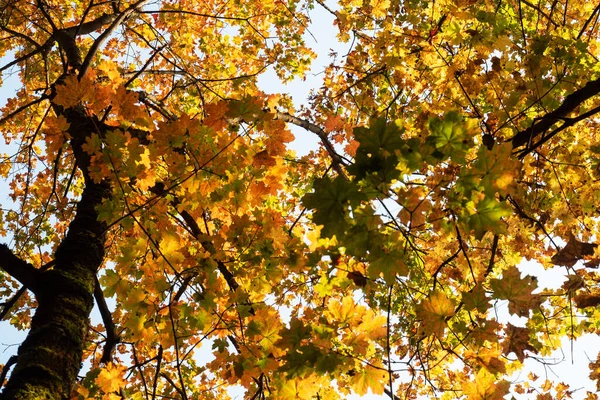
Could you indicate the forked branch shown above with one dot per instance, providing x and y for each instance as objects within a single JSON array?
[
  {"x": 542, "y": 126},
  {"x": 19, "y": 269}
]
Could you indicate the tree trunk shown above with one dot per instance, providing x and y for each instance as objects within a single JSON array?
[{"x": 50, "y": 357}]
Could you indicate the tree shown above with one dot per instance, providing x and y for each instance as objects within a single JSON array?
[{"x": 147, "y": 167}]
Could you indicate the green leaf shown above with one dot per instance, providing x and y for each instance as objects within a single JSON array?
[
  {"x": 450, "y": 136},
  {"x": 486, "y": 215},
  {"x": 383, "y": 168},
  {"x": 380, "y": 136},
  {"x": 476, "y": 299},
  {"x": 109, "y": 281},
  {"x": 388, "y": 264},
  {"x": 332, "y": 201},
  {"x": 377, "y": 155}
]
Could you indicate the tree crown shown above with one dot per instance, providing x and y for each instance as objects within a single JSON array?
[{"x": 147, "y": 166}]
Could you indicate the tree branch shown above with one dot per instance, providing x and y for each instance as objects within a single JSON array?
[
  {"x": 106, "y": 34},
  {"x": 64, "y": 37},
  {"x": 539, "y": 10},
  {"x": 208, "y": 246},
  {"x": 168, "y": 379},
  {"x": 23, "y": 107},
  {"x": 156, "y": 105},
  {"x": 21, "y": 270},
  {"x": 22, "y": 36},
  {"x": 337, "y": 160},
  {"x": 13, "y": 300},
  {"x": 84, "y": 16},
  {"x": 10, "y": 303},
  {"x": 112, "y": 339},
  {"x": 525, "y": 137},
  {"x": 587, "y": 22},
  {"x": 68, "y": 45},
  {"x": 22, "y": 58},
  {"x": 390, "y": 394},
  {"x": 42, "y": 7},
  {"x": 11, "y": 361},
  {"x": 145, "y": 66},
  {"x": 156, "y": 374},
  {"x": 568, "y": 122}
]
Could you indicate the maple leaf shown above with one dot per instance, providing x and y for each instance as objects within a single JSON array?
[
  {"x": 485, "y": 215},
  {"x": 344, "y": 312},
  {"x": 450, "y": 136},
  {"x": 333, "y": 123},
  {"x": 498, "y": 168},
  {"x": 595, "y": 372},
  {"x": 517, "y": 341},
  {"x": 143, "y": 150},
  {"x": 389, "y": 264},
  {"x": 380, "y": 7},
  {"x": 263, "y": 158},
  {"x": 584, "y": 300},
  {"x": 301, "y": 389},
  {"x": 358, "y": 278},
  {"x": 331, "y": 200},
  {"x": 517, "y": 290},
  {"x": 371, "y": 377},
  {"x": 434, "y": 312},
  {"x": 110, "y": 378},
  {"x": 266, "y": 326},
  {"x": 573, "y": 252},
  {"x": 110, "y": 70},
  {"x": 74, "y": 90},
  {"x": 171, "y": 249},
  {"x": 490, "y": 358},
  {"x": 476, "y": 299},
  {"x": 573, "y": 283},
  {"x": 485, "y": 386},
  {"x": 55, "y": 130}
]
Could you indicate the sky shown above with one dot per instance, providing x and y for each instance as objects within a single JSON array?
[{"x": 569, "y": 365}]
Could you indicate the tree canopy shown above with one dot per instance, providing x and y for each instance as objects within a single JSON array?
[{"x": 148, "y": 173}]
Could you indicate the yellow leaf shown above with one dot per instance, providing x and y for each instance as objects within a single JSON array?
[
  {"x": 301, "y": 389},
  {"x": 341, "y": 312},
  {"x": 369, "y": 378},
  {"x": 485, "y": 386},
  {"x": 380, "y": 8},
  {"x": 110, "y": 70},
  {"x": 171, "y": 248},
  {"x": 433, "y": 313},
  {"x": 110, "y": 378},
  {"x": 273, "y": 101},
  {"x": 111, "y": 396},
  {"x": 490, "y": 358},
  {"x": 373, "y": 325},
  {"x": 83, "y": 392}
]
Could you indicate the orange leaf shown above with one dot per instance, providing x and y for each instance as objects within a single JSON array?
[{"x": 74, "y": 91}]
